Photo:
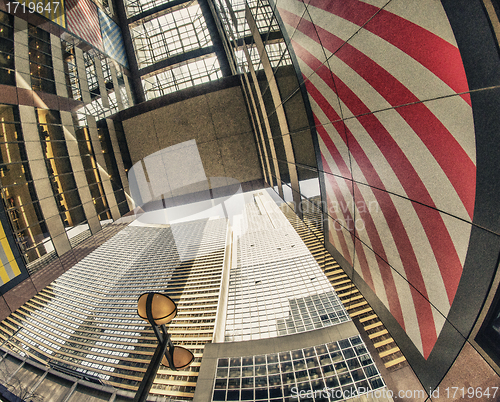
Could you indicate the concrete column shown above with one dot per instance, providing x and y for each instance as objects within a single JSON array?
[
  {"x": 58, "y": 65},
  {"x": 129, "y": 91},
  {"x": 21, "y": 53},
  {"x": 266, "y": 127},
  {"x": 119, "y": 160},
  {"x": 82, "y": 75},
  {"x": 102, "y": 84},
  {"x": 257, "y": 124},
  {"x": 79, "y": 173},
  {"x": 41, "y": 181},
  {"x": 103, "y": 170},
  {"x": 116, "y": 86},
  {"x": 280, "y": 112}
]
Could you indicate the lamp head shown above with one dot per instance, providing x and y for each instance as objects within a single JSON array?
[
  {"x": 162, "y": 308},
  {"x": 181, "y": 358}
]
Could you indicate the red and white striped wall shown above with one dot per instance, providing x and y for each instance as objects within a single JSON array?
[{"x": 390, "y": 101}]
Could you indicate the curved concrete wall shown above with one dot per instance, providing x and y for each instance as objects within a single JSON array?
[{"x": 402, "y": 96}]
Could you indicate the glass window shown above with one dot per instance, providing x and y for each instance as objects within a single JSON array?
[
  {"x": 180, "y": 76},
  {"x": 7, "y": 72},
  {"x": 175, "y": 32},
  {"x": 70, "y": 70},
  {"x": 18, "y": 192},
  {"x": 42, "y": 74},
  {"x": 313, "y": 377}
]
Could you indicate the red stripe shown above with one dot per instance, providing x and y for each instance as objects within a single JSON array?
[
  {"x": 372, "y": 232},
  {"x": 434, "y": 53},
  {"x": 427, "y": 331},
  {"x": 439, "y": 141},
  {"x": 346, "y": 214},
  {"x": 83, "y": 20},
  {"x": 448, "y": 261},
  {"x": 403, "y": 244},
  {"x": 386, "y": 271}
]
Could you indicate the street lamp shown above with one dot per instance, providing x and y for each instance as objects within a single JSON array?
[{"x": 158, "y": 309}]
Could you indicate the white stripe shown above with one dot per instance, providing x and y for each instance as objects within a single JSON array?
[
  {"x": 433, "y": 281},
  {"x": 343, "y": 211},
  {"x": 456, "y": 116},
  {"x": 325, "y": 90},
  {"x": 412, "y": 328},
  {"x": 435, "y": 180},
  {"x": 428, "y": 14},
  {"x": 431, "y": 274},
  {"x": 425, "y": 256},
  {"x": 335, "y": 234},
  {"x": 460, "y": 235},
  {"x": 341, "y": 147},
  {"x": 336, "y": 210},
  {"x": 311, "y": 45},
  {"x": 374, "y": 269},
  {"x": 414, "y": 229},
  {"x": 380, "y": 164},
  {"x": 295, "y": 7}
]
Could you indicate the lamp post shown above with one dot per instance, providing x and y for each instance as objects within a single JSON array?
[{"x": 158, "y": 309}]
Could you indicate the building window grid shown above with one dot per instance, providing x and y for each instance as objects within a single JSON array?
[
  {"x": 40, "y": 56},
  {"x": 183, "y": 75},
  {"x": 113, "y": 104},
  {"x": 342, "y": 368},
  {"x": 70, "y": 70},
  {"x": 7, "y": 66},
  {"x": 261, "y": 11},
  {"x": 59, "y": 167},
  {"x": 288, "y": 295},
  {"x": 134, "y": 7},
  {"x": 173, "y": 33},
  {"x": 91, "y": 73},
  {"x": 18, "y": 192},
  {"x": 94, "y": 108},
  {"x": 277, "y": 54}
]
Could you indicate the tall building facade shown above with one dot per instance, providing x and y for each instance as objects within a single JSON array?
[
  {"x": 277, "y": 287},
  {"x": 375, "y": 121},
  {"x": 288, "y": 336}
]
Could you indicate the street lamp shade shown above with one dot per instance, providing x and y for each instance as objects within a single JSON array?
[
  {"x": 181, "y": 358},
  {"x": 162, "y": 308}
]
